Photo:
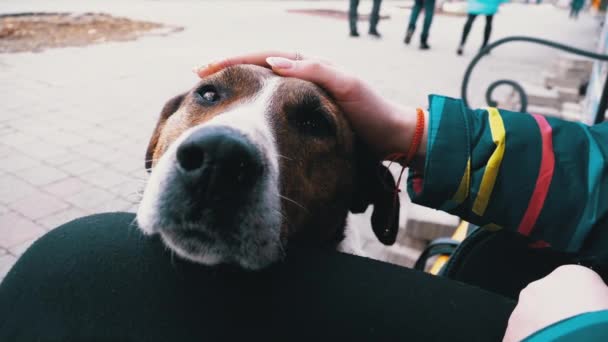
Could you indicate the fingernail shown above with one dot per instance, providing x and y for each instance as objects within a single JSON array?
[
  {"x": 280, "y": 62},
  {"x": 206, "y": 69}
]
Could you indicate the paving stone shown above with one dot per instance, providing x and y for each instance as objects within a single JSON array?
[
  {"x": 5, "y": 150},
  {"x": 90, "y": 199},
  {"x": 13, "y": 189},
  {"x": 81, "y": 165},
  {"x": 15, "y": 229},
  {"x": 128, "y": 163},
  {"x": 57, "y": 219},
  {"x": 21, "y": 248},
  {"x": 16, "y": 162},
  {"x": 131, "y": 190},
  {"x": 42, "y": 175},
  {"x": 38, "y": 205},
  {"x": 63, "y": 138},
  {"x": 6, "y": 129},
  {"x": 3, "y": 209},
  {"x": 97, "y": 151},
  {"x": 42, "y": 150},
  {"x": 104, "y": 136},
  {"x": 63, "y": 158},
  {"x": 104, "y": 178},
  {"x": 66, "y": 187},
  {"x": 115, "y": 204},
  {"x": 18, "y": 139},
  {"x": 77, "y": 126},
  {"x": 6, "y": 263}
]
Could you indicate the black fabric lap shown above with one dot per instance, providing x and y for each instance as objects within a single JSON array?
[{"x": 98, "y": 278}]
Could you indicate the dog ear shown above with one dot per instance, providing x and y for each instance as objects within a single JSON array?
[
  {"x": 169, "y": 108},
  {"x": 375, "y": 185}
]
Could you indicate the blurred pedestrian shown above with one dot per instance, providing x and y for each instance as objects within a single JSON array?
[
  {"x": 429, "y": 9},
  {"x": 373, "y": 19},
  {"x": 475, "y": 8},
  {"x": 575, "y": 8}
]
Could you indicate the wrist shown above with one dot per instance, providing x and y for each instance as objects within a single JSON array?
[{"x": 405, "y": 130}]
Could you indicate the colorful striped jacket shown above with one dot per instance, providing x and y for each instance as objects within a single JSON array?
[{"x": 541, "y": 177}]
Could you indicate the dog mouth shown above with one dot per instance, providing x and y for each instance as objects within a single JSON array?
[{"x": 194, "y": 235}]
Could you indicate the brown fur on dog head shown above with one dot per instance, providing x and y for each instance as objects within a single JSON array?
[{"x": 323, "y": 171}]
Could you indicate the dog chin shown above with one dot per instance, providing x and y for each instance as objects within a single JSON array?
[{"x": 200, "y": 248}]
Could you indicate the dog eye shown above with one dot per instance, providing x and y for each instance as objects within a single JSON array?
[
  {"x": 208, "y": 94},
  {"x": 313, "y": 122}
]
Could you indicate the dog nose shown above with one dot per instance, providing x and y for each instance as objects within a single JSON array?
[{"x": 219, "y": 160}]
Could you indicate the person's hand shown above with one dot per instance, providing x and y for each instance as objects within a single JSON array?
[
  {"x": 383, "y": 125},
  {"x": 566, "y": 292}
]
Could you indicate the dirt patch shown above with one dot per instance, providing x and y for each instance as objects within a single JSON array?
[
  {"x": 329, "y": 13},
  {"x": 38, "y": 31}
]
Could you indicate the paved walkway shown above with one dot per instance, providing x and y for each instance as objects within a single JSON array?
[{"x": 74, "y": 122}]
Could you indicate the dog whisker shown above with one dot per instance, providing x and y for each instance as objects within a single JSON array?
[
  {"x": 292, "y": 201},
  {"x": 284, "y": 157}
]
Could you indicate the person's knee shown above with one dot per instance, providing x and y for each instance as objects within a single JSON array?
[{"x": 82, "y": 236}]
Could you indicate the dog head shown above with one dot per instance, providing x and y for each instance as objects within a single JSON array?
[{"x": 246, "y": 161}]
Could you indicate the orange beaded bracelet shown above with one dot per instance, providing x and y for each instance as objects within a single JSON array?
[{"x": 418, "y": 133}]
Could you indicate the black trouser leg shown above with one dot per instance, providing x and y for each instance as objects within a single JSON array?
[
  {"x": 414, "y": 15},
  {"x": 467, "y": 28},
  {"x": 375, "y": 16},
  {"x": 353, "y": 15},
  {"x": 487, "y": 31},
  {"x": 99, "y": 279}
]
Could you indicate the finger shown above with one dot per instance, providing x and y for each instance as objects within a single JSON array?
[
  {"x": 257, "y": 58},
  {"x": 324, "y": 74}
]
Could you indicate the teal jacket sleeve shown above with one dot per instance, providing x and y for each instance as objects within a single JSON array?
[
  {"x": 588, "y": 327},
  {"x": 542, "y": 177}
]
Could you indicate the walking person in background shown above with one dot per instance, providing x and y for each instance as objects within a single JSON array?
[
  {"x": 475, "y": 8},
  {"x": 429, "y": 9},
  {"x": 353, "y": 17},
  {"x": 575, "y": 8}
]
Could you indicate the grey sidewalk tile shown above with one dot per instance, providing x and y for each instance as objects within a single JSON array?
[
  {"x": 76, "y": 126},
  {"x": 5, "y": 150},
  {"x": 6, "y": 263},
  {"x": 13, "y": 188},
  {"x": 129, "y": 162},
  {"x": 105, "y": 136},
  {"x": 130, "y": 190},
  {"x": 21, "y": 248},
  {"x": 42, "y": 150},
  {"x": 38, "y": 205},
  {"x": 104, "y": 178},
  {"x": 42, "y": 175},
  {"x": 81, "y": 165},
  {"x": 3, "y": 209},
  {"x": 90, "y": 199},
  {"x": 63, "y": 138},
  {"x": 16, "y": 162},
  {"x": 63, "y": 158},
  {"x": 18, "y": 139},
  {"x": 96, "y": 151},
  {"x": 64, "y": 216},
  {"x": 66, "y": 187},
  {"x": 115, "y": 204},
  {"x": 15, "y": 229},
  {"x": 6, "y": 129}
]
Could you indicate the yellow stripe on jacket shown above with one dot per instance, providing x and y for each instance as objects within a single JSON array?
[{"x": 488, "y": 180}]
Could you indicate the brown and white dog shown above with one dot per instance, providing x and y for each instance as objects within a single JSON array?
[{"x": 247, "y": 161}]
